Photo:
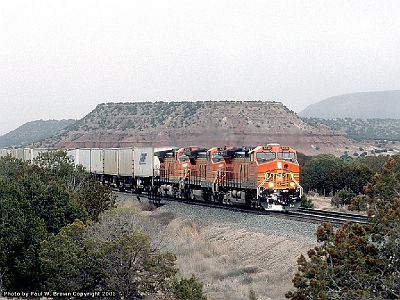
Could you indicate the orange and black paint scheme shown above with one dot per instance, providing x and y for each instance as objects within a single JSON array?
[{"x": 265, "y": 177}]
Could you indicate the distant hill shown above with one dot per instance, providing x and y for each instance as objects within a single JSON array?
[
  {"x": 362, "y": 129},
  {"x": 368, "y": 105},
  {"x": 200, "y": 123},
  {"x": 32, "y": 132}
]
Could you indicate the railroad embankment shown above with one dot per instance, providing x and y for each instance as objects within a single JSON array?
[{"x": 231, "y": 253}]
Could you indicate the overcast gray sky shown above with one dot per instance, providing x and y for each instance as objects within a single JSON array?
[{"x": 59, "y": 59}]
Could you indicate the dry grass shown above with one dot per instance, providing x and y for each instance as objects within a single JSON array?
[
  {"x": 320, "y": 202},
  {"x": 230, "y": 262},
  {"x": 324, "y": 203}
]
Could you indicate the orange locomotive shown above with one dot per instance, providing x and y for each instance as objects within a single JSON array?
[{"x": 262, "y": 177}]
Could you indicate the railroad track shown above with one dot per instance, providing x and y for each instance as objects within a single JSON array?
[
  {"x": 335, "y": 218},
  {"x": 315, "y": 216}
]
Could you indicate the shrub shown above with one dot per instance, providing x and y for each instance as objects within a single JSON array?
[
  {"x": 305, "y": 202},
  {"x": 252, "y": 295},
  {"x": 189, "y": 289},
  {"x": 345, "y": 195}
]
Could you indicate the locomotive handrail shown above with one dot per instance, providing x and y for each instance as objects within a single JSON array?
[
  {"x": 265, "y": 179},
  {"x": 298, "y": 184},
  {"x": 187, "y": 173},
  {"x": 262, "y": 183}
]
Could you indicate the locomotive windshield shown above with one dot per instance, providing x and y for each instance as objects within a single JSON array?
[
  {"x": 265, "y": 156},
  {"x": 183, "y": 158},
  {"x": 217, "y": 157},
  {"x": 286, "y": 155}
]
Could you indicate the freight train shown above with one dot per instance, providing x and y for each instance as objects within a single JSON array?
[{"x": 263, "y": 177}]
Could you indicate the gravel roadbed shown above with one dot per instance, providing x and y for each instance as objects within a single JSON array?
[{"x": 266, "y": 224}]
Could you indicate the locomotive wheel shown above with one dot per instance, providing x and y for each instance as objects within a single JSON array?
[
  {"x": 219, "y": 198},
  {"x": 191, "y": 195},
  {"x": 206, "y": 196}
]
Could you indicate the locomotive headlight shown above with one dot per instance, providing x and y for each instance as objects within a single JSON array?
[
  {"x": 270, "y": 184},
  {"x": 292, "y": 184}
]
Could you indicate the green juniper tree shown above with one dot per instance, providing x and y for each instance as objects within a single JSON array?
[
  {"x": 189, "y": 289},
  {"x": 36, "y": 200},
  {"x": 355, "y": 261}
]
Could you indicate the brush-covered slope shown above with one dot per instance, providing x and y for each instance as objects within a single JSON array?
[
  {"x": 33, "y": 131},
  {"x": 202, "y": 123}
]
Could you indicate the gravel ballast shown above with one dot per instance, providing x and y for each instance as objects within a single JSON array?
[{"x": 266, "y": 224}]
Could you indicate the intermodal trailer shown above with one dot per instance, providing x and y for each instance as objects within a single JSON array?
[
  {"x": 125, "y": 168},
  {"x": 97, "y": 161},
  {"x": 111, "y": 161},
  {"x": 36, "y": 151},
  {"x": 143, "y": 166},
  {"x": 4, "y": 152},
  {"x": 73, "y": 156},
  {"x": 82, "y": 157},
  {"x": 17, "y": 153}
]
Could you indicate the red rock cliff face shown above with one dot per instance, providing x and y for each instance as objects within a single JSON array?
[{"x": 202, "y": 123}]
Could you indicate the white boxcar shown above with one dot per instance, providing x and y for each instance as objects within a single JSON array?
[
  {"x": 96, "y": 161},
  {"x": 143, "y": 161},
  {"x": 125, "y": 161},
  {"x": 111, "y": 161}
]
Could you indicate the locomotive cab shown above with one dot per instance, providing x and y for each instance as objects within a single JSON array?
[
  {"x": 168, "y": 173},
  {"x": 216, "y": 175},
  {"x": 278, "y": 171},
  {"x": 207, "y": 176}
]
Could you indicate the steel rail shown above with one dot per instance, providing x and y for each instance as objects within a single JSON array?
[{"x": 315, "y": 216}]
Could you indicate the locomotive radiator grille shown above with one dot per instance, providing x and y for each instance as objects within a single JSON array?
[{"x": 278, "y": 180}]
